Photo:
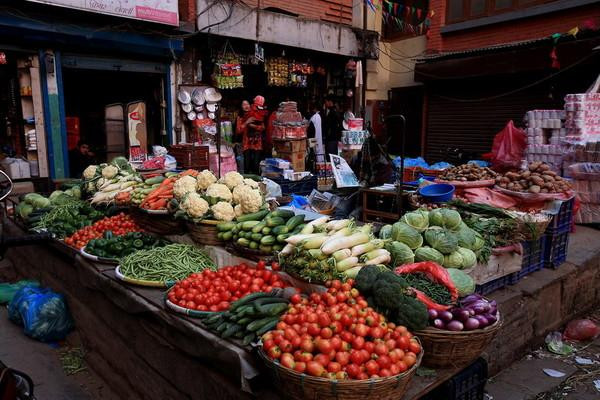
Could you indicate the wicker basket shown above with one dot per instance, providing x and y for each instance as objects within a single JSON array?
[
  {"x": 448, "y": 349},
  {"x": 204, "y": 233},
  {"x": 294, "y": 385},
  {"x": 160, "y": 224}
]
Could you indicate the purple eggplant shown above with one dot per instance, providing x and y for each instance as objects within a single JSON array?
[
  {"x": 471, "y": 324},
  {"x": 455, "y": 326},
  {"x": 461, "y": 314},
  {"x": 445, "y": 316},
  {"x": 483, "y": 321},
  {"x": 472, "y": 298},
  {"x": 438, "y": 323},
  {"x": 433, "y": 314},
  {"x": 492, "y": 318},
  {"x": 480, "y": 307}
]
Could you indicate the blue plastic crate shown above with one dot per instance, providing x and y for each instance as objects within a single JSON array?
[
  {"x": 492, "y": 286},
  {"x": 555, "y": 249},
  {"x": 303, "y": 187},
  {"x": 562, "y": 221},
  {"x": 533, "y": 259},
  {"x": 468, "y": 384}
]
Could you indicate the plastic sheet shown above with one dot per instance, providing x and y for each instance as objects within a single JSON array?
[
  {"x": 508, "y": 147},
  {"x": 43, "y": 313},
  {"x": 8, "y": 290}
]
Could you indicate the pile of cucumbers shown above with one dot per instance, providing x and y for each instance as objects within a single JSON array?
[
  {"x": 142, "y": 190},
  {"x": 248, "y": 318},
  {"x": 263, "y": 230}
]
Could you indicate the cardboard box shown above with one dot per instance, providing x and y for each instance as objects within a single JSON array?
[
  {"x": 290, "y": 145},
  {"x": 296, "y": 159}
]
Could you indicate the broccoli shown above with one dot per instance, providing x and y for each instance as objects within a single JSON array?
[
  {"x": 390, "y": 276},
  {"x": 366, "y": 278},
  {"x": 387, "y": 294},
  {"x": 411, "y": 313}
]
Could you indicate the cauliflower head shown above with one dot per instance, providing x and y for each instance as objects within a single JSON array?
[
  {"x": 237, "y": 192},
  {"x": 251, "y": 182},
  {"x": 183, "y": 186},
  {"x": 238, "y": 210},
  {"x": 251, "y": 201},
  {"x": 110, "y": 172},
  {"x": 205, "y": 179},
  {"x": 90, "y": 172},
  {"x": 194, "y": 205},
  {"x": 219, "y": 190},
  {"x": 223, "y": 211},
  {"x": 232, "y": 179}
]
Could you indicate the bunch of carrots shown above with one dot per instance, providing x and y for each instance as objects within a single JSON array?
[{"x": 160, "y": 197}]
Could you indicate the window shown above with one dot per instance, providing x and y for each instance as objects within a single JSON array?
[{"x": 462, "y": 10}]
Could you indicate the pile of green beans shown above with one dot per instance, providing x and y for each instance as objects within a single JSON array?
[
  {"x": 436, "y": 291},
  {"x": 173, "y": 262}
]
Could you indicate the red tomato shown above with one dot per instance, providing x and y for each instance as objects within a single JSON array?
[
  {"x": 314, "y": 368},
  {"x": 356, "y": 357},
  {"x": 358, "y": 343},
  {"x": 326, "y": 333},
  {"x": 324, "y": 320},
  {"x": 307, "y": 345},
  {"x": 346, "y": 336},
  {"x": 286, "y": 346},
  {"x": 314, "y": 329},
  {"x": 381, "y": 349},
  {"x": 384, "y": 361},
  {"x": 402, "y": 343},
  {"x": 300, "y": 367},
  {"x": 401, "y": 365},
  {"x": 414, "y": 347},
  {"x": 324, "y": 346},
  {"x": 274, "y": 352},
  {"x": 275, "y": 266},
  {"x": 353, "y": 370},
  {"x": 287, "y": 360},
  {"x": 306, "y": 357},
  {"x": 371, "y": 367},
  {"x": 370, "y": 347},
  {"x": 361, "y": 330},
  {"x": 322, "y": 359},
  {"x": 261, "y": 265},
  {"x": 334, "y": 367},
  {"x": 343, "y": 357},
  {"x": 296, "y": 298}
]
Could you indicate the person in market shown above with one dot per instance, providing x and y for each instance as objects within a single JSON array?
[
  {"x": 251, "y": 143},
  {"x": 316, "y": 131},
  {"x": 79, "y": 158},
  {"x": 268, "y": 139},
  {"x": 332, "y": 126}
]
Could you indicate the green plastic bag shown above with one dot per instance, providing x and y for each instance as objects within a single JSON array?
[{"x": 8, "y": 290}]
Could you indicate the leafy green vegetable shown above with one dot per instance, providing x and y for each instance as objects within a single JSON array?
[
  {"x": 427, "y": 253},
  {"x": 463, "y": 282},
  {"x": 404, "y": 233},
  {"x": 453, "y": 260},
  {"x": 442, "y": 240},
  {"x": 451, "y": 218},
  {"x": 436, "y": 218},
  {"x": 400, "y": 252},
  {"x": 418, "y": 220},
  {"x": 385, "y": 232},
  {"x": 469, "y": 258}
]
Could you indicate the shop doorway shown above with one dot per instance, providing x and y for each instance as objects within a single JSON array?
[
  {"x": 91, "y": 97},
  {"x": 407, "y": 101}
]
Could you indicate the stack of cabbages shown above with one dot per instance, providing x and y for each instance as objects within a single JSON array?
[{"x": 439, "y": 235}]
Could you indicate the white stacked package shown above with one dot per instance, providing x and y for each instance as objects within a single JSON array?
[
  {"x": 582, "y": 117},
  {"x": 545, "y": 135}
]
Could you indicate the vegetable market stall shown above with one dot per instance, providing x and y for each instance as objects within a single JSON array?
[{"x": 142, "y": 349}]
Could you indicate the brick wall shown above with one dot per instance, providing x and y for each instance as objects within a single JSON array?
[
  {"x": 337, "y": 11},
  {"x": 187, "y": 11},
  {"x": 530, "y": 28}
]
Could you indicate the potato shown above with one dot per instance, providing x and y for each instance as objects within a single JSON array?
[
  {"x": 537, "y": 181},
  {"x": 549, "y": 172},
  {"x": 511, "y": 186},
  {"x": 544, "y": 190},
  {"x": 543, "y": 167},
  {"x": 535, "y": 189},
  {"x": 525, "y": 174},
  {"x": 534, "y": 165},
  {"x": 548, "y": 186}
]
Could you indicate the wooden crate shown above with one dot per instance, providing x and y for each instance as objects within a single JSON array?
[
  {"x": 295, "y": 158},
  {"x": 189, "y": 156},
  {"x": 290, "y": 145}
]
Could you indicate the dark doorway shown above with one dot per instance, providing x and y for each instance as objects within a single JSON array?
[{"x": 407, "y": 101}]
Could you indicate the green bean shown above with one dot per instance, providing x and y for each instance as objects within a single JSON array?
[{"x": 173, "y": 262}]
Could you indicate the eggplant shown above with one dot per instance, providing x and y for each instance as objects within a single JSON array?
[
  {"x": 433, "y": 314},
  {"x": 445, "y": 316},
  {"x": 492, "y": 318},
  {"x": 472, "y": 298},
  {"x": 471, "y": 324},
  {"x": 455, "y": 326},
  {"x": 438, "y": 323},
  {"x": 461, "y": 314},
  {"x": 483, "y": 321}
]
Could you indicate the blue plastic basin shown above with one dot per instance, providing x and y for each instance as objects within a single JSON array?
[{"x": 437, "y": 193}]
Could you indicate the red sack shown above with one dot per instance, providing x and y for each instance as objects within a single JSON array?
[
  {"x": 435, "y": 273},
  {"x": 509, "y": 147},
  {"x": 581, "y": 329}
]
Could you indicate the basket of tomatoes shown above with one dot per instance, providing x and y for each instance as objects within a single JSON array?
[
  {"x": 119, "y": 224},
  {"x": 333, "y": 345}
]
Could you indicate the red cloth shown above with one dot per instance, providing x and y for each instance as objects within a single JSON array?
[{"x": 489, "y": 196}]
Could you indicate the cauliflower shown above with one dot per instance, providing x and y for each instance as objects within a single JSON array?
[
  {"x": 110, "y": 172},
  {"x": 223, "y": 211},
  {"x": 232, "y": 179},
  {"x": 251, "y": 182},
  {"x": 237, "y": 192},
  {"x": 194, "y": 205},
  {"x": 251, "y": 200},
  {"x": 238, "y": 210},
  {"x": 90, "y": 172},
  {"x": 205, "y": 179},
  {"x": 220, "y": 191},
  {"x": 183, "y": 186}
]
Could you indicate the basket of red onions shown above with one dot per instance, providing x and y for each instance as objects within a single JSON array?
[{"x": 459, "y": 335}]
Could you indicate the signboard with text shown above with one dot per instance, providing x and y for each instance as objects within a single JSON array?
[{"x": 160, "y": 11}]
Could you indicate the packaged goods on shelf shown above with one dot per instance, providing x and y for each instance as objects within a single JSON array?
[
  {"x": 545, "y": 134},
  {"x": 582, "y": 116}
]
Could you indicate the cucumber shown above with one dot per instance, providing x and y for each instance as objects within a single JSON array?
[
  {"x": 155, "y": 180},
  {"x": 223, "y": 326},
  {"x": 259, "y": 305},
  {"x": 248, "y": 339},
  {"x": 259, "y": 323},
  {"x": 225, "y": 226},
  {"x": 239, "y": 334},
  {"x": 268, "y": 240},
  {"x": 171, "y": 174},
  {"x": 281, "y": 238},
  {"x": 234, "y": 230},
  {"x": 282, "y": 213},
  {"x": 233, "y": 328},
  {"x": 235, "y": 237},
  {"x": 248, "y": 225},
  {"x": 274, "y": 221},
  {"x": 257, "y": 236},
  {"x": 278, "y": 247},
  {"x": 253, "y": 245},
  {"x": 258, "y": 227},
  {"x": 264, "y": 248},
  {"x": 266, "y": 230},
  {"x": 227, "y": 235},
  {"x": 299, "y": 228},
  {"x": 247, "y": 300},
  {"x": 245, "y": 321},
  {"x": 267, "y": 327},
  {"x": 213, "y": 318},
  {"x": 220, "y": 235},
  {"x": 241, "y": 312},
  {"x": 272, "y": 310},
  {"x": 257, "y": 216},
  {"x": 280, "y": 229},
  {"x": 294, "y": 222},
  {"x": 248, "y": 235},
  {"x": 243, "y": 242}
]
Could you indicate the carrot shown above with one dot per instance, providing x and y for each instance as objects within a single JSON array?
[
  {"x": 161, "y": 203},
  {"x": 191, "y": 172},
  {"x": 165, "y": 196}
]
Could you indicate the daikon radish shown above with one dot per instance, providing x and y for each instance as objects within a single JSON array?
[
  {"x": 367, "y": 247},
  {"x": 300, "y": 237},
  {"x": 344, "y": 242},
  {"x": 342, "y": 254},
  {"x": 346, "y": 264}
]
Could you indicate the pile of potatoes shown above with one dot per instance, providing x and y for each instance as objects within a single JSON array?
[
  {"x": 537, "y": 178},
  {"x": 468, "y": 172}
]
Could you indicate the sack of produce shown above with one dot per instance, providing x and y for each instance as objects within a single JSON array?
[
  {"x": 43, "y": 313},
  {"x": 8, "y": 290}
]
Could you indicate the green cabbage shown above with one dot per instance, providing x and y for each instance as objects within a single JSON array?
[
  {"x": 385, "y": 232},
  {"x": 469, "y": 259},
  {"x": 453, "y": 260},
  {"x": 442, "y": 240},
  {"x": 24, "y": 209},
  {"x": 55, "y": 194},
  {"x": 479, "y": 242},
  {"x": 436, "y": 218},
  {"x": 429, "y": 254},
  {"x": 407, "y": 235},
  {"x": 463, "y": 282},
  {"x": 466, "y": 237},
  {"x": 418, "y": 220},
  {"x": 401, "y": 253},
  {"x": 36, "y": 200},
  {"x": 452, "y": 219}
]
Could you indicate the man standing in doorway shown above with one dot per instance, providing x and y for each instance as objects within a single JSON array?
[{"x": 332, "y": 127}]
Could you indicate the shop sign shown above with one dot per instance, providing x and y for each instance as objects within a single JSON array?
[
  {"x": 137, "y": 131},
  {"x": 161, "y": 11}
]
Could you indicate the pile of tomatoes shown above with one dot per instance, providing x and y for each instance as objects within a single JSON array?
[
  {"x": 215, "y": 290},
  {"x": 336, "y": 335},
  {"x": 119, "y": 225}
]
